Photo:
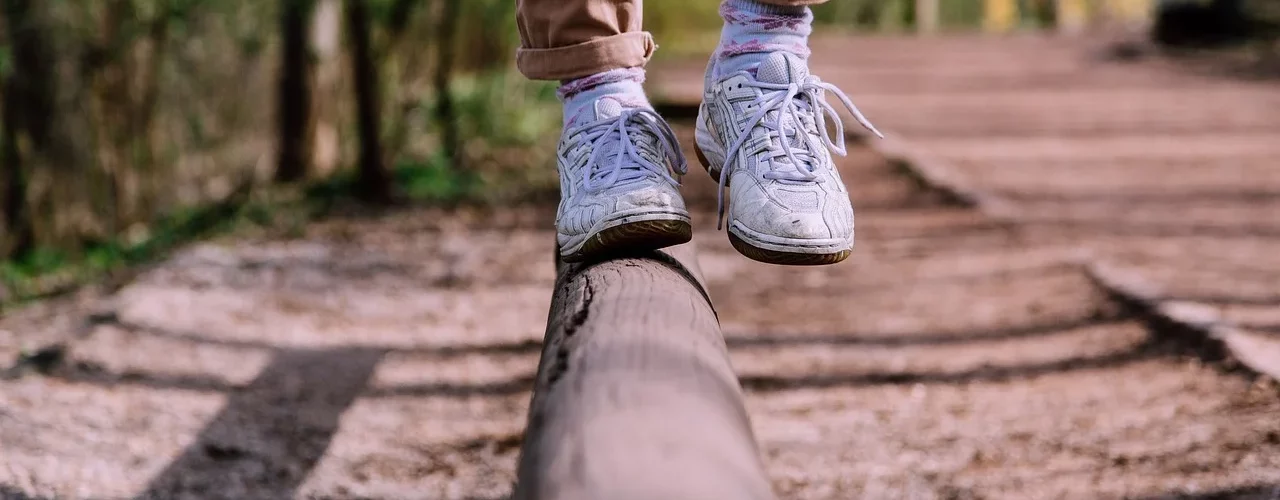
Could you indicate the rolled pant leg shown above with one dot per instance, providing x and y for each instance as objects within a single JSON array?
[{"x": 567, "y": 39}]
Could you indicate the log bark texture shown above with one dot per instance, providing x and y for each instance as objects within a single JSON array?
[{"x": 635, "y": 396}]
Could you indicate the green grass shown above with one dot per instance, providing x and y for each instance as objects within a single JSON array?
[
  {"x": 437, "y": 182},
  {"x": 45, "y": 272},
  {"x": 433, "y": 182}
]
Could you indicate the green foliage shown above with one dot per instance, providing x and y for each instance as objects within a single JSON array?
[
  {"x": 884, "y": 15},
  {"x": 960, "y": 12},
  {"x": 487, "y": 34},
  {"x": 508, "y": 126},
  {"x": 437, "y": 181},
  {"x": 503, "y": 108},
  {"x": 432, "y": 182},
  {"x": 6, "y": 61},
  {"x": 683, "y": 27}
]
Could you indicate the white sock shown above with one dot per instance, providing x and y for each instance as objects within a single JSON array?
[
  {"x": 753, "y": 30},
  {"x": 625, "y": 85}
]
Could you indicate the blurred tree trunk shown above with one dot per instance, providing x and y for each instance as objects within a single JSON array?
[
  {"x": 373, "y": 184},
  {"x": 29, "y": 53},
  {"x": 122, "y": 72},
  {"x": 926, "y": 16},
  {"x": 16, "y": 238},
  {"x": 295, "y": 117},
  {"x": 402, "y": 73},
  {"x": 146, "y": 135},
  {"x": 446, "y": 116},
  {"x": 326, "y": 41},
  {"x": 48, "y": 152},
  {"x": 401, "y": 12}
]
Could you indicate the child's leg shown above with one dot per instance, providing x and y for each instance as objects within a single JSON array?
[
  {"x": 617, "y": 159},
  {"x": 568, "y": 39}
]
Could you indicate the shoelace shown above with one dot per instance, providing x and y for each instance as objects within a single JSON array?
[
  {"x": 782, "y": 97},
  {"x": 608, "y": 167}
]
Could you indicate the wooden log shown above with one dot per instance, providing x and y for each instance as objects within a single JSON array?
[{"x": 635, "y": 397}]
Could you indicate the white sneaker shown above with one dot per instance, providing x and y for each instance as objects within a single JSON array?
[
  {"x": 764, "y": 137},
  {"x": 618, "y": 185}
]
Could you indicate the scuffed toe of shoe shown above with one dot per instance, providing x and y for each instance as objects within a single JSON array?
[
  {"x": 657, "y": 198},
  {"x": 755, "y": 211},
  {"x": 795, "y": 226}
]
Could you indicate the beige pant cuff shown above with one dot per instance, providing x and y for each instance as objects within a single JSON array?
[{"x": 625, "y": 50}]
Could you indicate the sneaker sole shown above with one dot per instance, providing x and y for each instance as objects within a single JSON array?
[
  {"x": 786, "y": 258},
  {"x": 766, "y": 255},
  {"x": 638, "y": 236}
]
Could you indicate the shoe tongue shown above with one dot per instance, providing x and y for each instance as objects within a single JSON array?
[
  {"x": 782, "y": 68},
  {"x": 607, "y": 107},
  {"x": 602, "y": 108}
]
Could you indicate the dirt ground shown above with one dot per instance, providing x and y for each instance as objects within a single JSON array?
[{"x": 955, "y": 356}]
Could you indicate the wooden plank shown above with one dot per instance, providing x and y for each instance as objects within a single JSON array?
[{"x": 635, "y": 397}]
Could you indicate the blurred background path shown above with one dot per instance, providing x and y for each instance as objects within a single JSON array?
[
  {"x": 1088, "y": 171},
  {"x": 967, "y": 350}
]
